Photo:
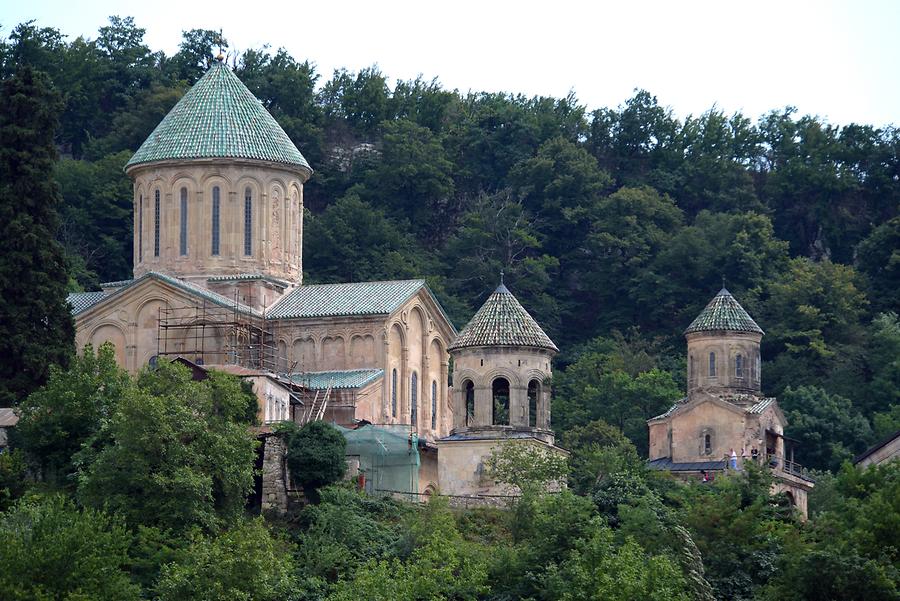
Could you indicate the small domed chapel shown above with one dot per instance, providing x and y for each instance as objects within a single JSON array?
[{"x": 218, "y": 268}]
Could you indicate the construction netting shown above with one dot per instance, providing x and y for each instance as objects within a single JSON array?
[{"x": 388, "y": 459}]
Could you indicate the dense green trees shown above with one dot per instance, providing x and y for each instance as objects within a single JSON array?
[
  {"x": 314, "y": 455},
  {"x": 35, "y": 324}
]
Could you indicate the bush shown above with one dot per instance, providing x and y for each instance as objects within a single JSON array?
[{"x": 315, "y": 456}]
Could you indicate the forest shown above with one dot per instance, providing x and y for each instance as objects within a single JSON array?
[{"x": 613, "y": 226}]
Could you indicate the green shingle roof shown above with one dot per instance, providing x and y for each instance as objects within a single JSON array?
[
  {"x": 219, "y": 118},
  {"x": 724, "y": 313},
  {"x": 502, "y": 321},
  {"x": 321, "y": 380},
  {"x": 82, "y": 301},
  {"x": 332, "y": 300}
]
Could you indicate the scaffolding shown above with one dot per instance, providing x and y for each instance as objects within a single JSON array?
[
  {"x": 208, "y": 334},
  {"x": 388, "y": 459}
]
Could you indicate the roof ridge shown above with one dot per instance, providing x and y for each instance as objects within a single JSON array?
[
  {"x": 502, "y": 321},
  {"x": 724, "y": 312}
]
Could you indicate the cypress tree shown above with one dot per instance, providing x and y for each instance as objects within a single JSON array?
[{"x": 36, "y": 327}]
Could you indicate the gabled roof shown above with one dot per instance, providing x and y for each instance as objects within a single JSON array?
[
  {"x": 724, "y": 313},
  {"x": 219, "y": 118},
  {"x": 502, "y": 321},
  {"x": 247, "y": 277},
  {"x": 82, "y": 301},
  {"x": 881, "y": 443},
  {"x": 351, "y": 378},
  {"x": 8, "y": 417},
  {"x": 335, "y": 300},
  {"x": 757, "y": 408}
]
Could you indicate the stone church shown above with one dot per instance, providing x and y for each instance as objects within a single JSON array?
[
  {"x": 724, "y": 422},
  {"x": 218, "y": 268}
]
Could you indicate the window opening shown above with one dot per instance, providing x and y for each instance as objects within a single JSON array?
[
  {"x": 500, "y": 394},
  {"x": 739, "y": 366},
  {"x": 434, "y": 405},
  {"x": 414, "y": 400},
  {"x": 712, "y": 365},
  {"x": 183, "y": 232},
  {"x": 532, "y": 403},
  {"x": 248, "y": 222},
  {"x": 141, "y": 230},
  {"x": 394, "y": 394},
  {"x": 156, "y": 225},
  {"x": 215, "y": 220},
  {"x": 470, "y": 403}
]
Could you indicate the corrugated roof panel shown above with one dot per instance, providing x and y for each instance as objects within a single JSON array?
[
  {"x": 351, "y": 378},
  {"x": 82, "y": 301}
]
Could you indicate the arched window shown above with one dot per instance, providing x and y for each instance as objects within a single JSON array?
[
  {"x": 156, "y": 224},
  {"x": 500, "y": 395},
  {"x": 470, "y": 403},
  {"x": 712, "y": 365},
  {"x": 394, "y": 393},
  {"x": 739, "y": 366},
  {"x": 692, "y": 369},
  {"x": 758, "y": 368},
  {"x": 216, "y": 200},
  {"x": 414, "y": 400},
  {"x": 248, "y": 222},
  {"x": 141, "y": 229},
  {"x": 533, "y": 392},
  {"x": 183, "y": 231},
  {"x": 707, "y": 444},
  {"x": 433, "y": 405}
]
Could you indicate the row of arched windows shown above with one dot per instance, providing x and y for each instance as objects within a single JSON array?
[
  {"x": 740, "y": 367},
  {"x": 500, "y": 409},
  {"x": 414, "y": 399},
  {"x": 215, "y": 223}
]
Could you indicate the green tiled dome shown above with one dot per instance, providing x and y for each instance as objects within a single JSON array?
[
  {"x": 219, "y": 118},
  {"x": 502, "y": 321},
  {"x": 724, "y": 313}
]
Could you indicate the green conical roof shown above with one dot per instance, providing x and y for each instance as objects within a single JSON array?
[
  {"x": 219, "y": 118},
  {"x": 502, "y": 321},
  {"x": 724, "y": 313}
]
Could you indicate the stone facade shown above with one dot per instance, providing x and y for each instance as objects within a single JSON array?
[{"x": 274, "y": 475}]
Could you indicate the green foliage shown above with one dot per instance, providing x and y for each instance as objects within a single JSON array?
[
  {"x": 35, "y": 324},
  {"x": 828, "y": 428},
  {"x": 878, "y": 257},
  {"x": 315, "y": 455},
  {"x": 51, "y": 550},
  {"x": 175, "y": 453},
  {"x": 70, "y": 410},
  {"x": 598, "y": 449},
  {"x": 13, "y": 470},
  {"x": 243, "y": 563},
  {"x": 527, "y": 466}
]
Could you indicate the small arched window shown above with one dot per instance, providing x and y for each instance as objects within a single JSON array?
[
  {"x": 216, "y": 208},
  {"x": 434, "y": 405},
  {"x": 156, "y": 224},
  {"x": 414, "y": 400},
  {"x": 183, "y": 229},
  {"x": 533, "y": 393},
  {"x": 394, "y": 393},
  {"x": 248, "y": 222},
  {"x": 707, "y": 444},
  {"x": 712, "y": 365},
  {"x": 692, "y": 369},
  {"x": 739, "y": 366},
  {"x": 470, "y": 403},
  {"x": 758, "y": 368},
  {"x": 500, "y": 406},
  {"x": 141, "y": 229}
]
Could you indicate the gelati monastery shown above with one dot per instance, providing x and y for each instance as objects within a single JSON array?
[{"x": 218, "y": 268}]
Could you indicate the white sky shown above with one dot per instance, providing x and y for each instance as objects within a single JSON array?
[{"x": 838, "y": 60}]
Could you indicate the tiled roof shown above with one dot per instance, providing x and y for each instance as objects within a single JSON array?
[
  {"x": 219, "y": 118},
  {"x": 82, "y": 301},
  {"x": 8, "y": 417},
  {"x": 667, "y": 464},
  {"x": 502, "y": 321},
  {"x": 352, "y": 378},
  {"x": 762, "y": 405},
  {"x": 241, "y": 277},
  {"x": 670, "y": 410},
  {"x": 330, "y": 300},
  {"x": 116, "y": 284},
  {"x": 723, "y": 313}
]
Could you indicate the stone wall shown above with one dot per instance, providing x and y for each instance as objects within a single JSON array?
[{"x": 274, "y": 475}]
